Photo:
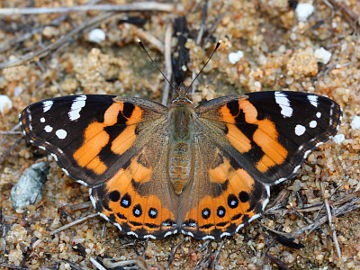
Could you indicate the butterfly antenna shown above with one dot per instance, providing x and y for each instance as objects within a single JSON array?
[
  {"x": 207, "y": 61},
  {"x": 153, "y": 62}
]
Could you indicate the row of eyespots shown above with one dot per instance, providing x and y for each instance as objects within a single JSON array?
[
  {"x": 232, "y": 202},
  {"x": 126, "y": 203}
]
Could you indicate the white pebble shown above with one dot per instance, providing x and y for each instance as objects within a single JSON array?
[
  {"x": 322, "y": 55},
  {"x": 303, "y": 11},
  {"x": 17, "y": 91},
  {"x": 355, "y": 123},
  {"x": 5, "y": 104},
  {"x": 97, "y": 35},
  {"x": 339, "y": 138},
  {"x": 234, "y": 57}
]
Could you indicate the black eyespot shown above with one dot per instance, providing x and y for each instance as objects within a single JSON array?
[
  {"x": 221, "y": 211},
  {"x": 153, "y": 213},
  {"x": 137, "y": 211},
  {"x": 233, "y": 201},
  {"x": 126, "y": 201},
  {"x": 206, "y": 213},
  {"x": 114, "y": 195},
  {"x": 244, "y": 196}
]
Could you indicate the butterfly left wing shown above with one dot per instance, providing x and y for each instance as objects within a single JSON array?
[
  {"x": 246, "y": 144},
  {"x": 90, "y": 136},
  {"x": 117, "y": 146}
]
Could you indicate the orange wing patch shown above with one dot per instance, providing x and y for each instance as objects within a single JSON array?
[
  {"x": 120, "y": 201},
  {"x": 240, "y": 114},
  {"x": 96, "y": 137},
  {"x": 236, "y": 205}
]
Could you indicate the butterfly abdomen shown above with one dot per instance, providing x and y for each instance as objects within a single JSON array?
[
  {"x": 180, "y": 148},
  {"x": 179, "y": 166}
]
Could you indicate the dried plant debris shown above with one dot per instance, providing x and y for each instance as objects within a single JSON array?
[{"x": 310, "y": 46}]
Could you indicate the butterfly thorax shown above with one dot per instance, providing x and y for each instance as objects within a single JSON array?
[{"x": 180, "y": 145}]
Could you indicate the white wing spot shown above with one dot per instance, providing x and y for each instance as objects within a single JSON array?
[
  {"x": 223, "y": 235},
  {"x": 48, "y": 128},
  {"x": 47, "y": 105},
  {"x": 54, "y": 156},
  {"x": 42, "y": 120},
  {"x": 313, "y": 100},
  {"x": 76, "y": 107},
  {"x": 61, "y": 134},
  {"x": 170, "y": 233},
  {"x": 103, "y": 216},
  {"x": 208, "y": 237},
  {"x": 133, "y": 234},
  {"x": 150, "y": 236},
  {"x": 239, "y": 227},
  {"x": 65, "y": 171},
  {"x": 313, "y": 124},
  {"x": 284, "y": 103},
  {"x": 318, "y": 114},
  {"x": 296, "y": 169},
  {"x": 300, "y": 130},
  {"x": 306, "y": 154}
]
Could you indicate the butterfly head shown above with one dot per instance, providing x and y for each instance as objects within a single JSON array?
[{"x": 182, "y": 97}]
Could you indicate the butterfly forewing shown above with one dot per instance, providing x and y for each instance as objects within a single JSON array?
[
  {"x": 274, "y": 131},
  {"x": 91, "y": 136}
]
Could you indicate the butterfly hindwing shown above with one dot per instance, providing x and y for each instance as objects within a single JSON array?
[
  {"x": 139, "y": 198},
  {"x": 225, "y": 200}
]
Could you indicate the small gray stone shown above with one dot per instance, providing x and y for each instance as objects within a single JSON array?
[{"x": 29, "y": 188}]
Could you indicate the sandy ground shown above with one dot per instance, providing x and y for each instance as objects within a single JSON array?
[{"x": 279, "y": 52}]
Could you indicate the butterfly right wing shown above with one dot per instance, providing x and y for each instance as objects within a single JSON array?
[{"x": 244, "y": 145}]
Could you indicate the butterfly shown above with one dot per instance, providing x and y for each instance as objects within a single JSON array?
[{"x": 204, "y": 170}]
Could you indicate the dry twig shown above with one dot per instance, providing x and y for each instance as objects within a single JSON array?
[
  {"x": 53, "y": 46},
  {"x": 349, "y": 15},
  {"x": 331, "y": 224},
  {"x": 346, "y": 208},
  {"x": 140, "y": 6},
  {"x": 4, "y": 155},
  {"x": 168, "y": 67},
  {"x": 351, "y": 203},
  {"x": 173, "y": 251},
  {"x": 73, "y": 223},
  {"x": 198, "y": 40},
  {"x": 143, "y": 35}
]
